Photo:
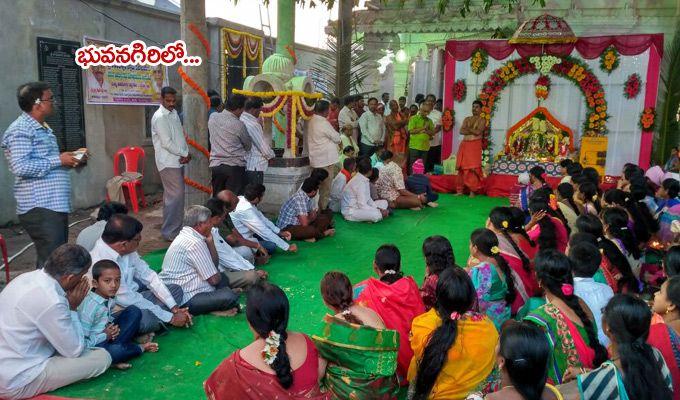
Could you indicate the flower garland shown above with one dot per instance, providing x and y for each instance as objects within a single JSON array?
[
  {"x": 609, "y": 60},
  {"x": 647, "y": 119},
  {"x": 271, "y": 347},
  {"x": 544, "y": 63},
  {"x": 459, "y": 90},
  {"x": 479, "y": 61},
  {"x": 631, "y": 88},
  {"x": 448, "y": 119},
  {"x": 542, "y": 87}
]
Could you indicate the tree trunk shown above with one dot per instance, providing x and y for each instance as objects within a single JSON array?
[
  {"x": 343, "y": 63},
  {"x": 193, "y": 106}
]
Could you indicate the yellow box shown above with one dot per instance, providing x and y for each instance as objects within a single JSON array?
[{"x": 594, "y": 152}]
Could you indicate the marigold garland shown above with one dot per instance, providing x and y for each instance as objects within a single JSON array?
[
  {"x": 194, "y": 85},
  {"x": 459, "y": 90},
  {"x": 448, "y": 119},
  {"x": 479, "y": 61},
  {"x": 609, "y": 60},
  {"x": 542, "y": 87},
  {"x": 647, "y": 119},
  {"x": 631, "y": 88}
]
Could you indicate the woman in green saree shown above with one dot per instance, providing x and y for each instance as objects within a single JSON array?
[{"x": 361, "y": 353}]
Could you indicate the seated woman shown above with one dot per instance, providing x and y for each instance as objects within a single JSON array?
[
  {"x": 615, "y": 223},
  {"x": 615, "y": 266},
  {"x": 356, "y": 345},
  {"x": 278, "y": 364},
  {"x": 636, "y": 370},
  {"x": 669, "y": 208},
  {"x": 566, "y": 203},
  {"x": 491, "y": 276},
  {"x": 587, "y": 195},
  {"x": 523, "y": 356},
  {"x": 665, "y": 337},
  {"x": 545, "y": 229},
  {"x": 391, "y": 186},
  {"x": 395, "y": 298},
  {"x": 565, "y": 319},
  {"x": 524, "y": 279},
  {"x": 453, "y": 346},
  {"x": 438, "y": 255}
]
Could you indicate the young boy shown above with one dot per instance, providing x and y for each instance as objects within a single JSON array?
[
  {"x": 585, "y": 259},
  {"x": 349, "y": 167},
  {"x": 347, "y": 152},
  {"x": 101, "y": 328}
]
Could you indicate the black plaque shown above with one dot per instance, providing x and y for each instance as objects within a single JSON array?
[{"x": 57, "y": 67}]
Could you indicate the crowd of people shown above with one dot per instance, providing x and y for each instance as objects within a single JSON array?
[{"x": 567, "y": 293}]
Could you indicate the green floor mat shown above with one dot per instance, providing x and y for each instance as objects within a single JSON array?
[{"x": 187, "y": 356}]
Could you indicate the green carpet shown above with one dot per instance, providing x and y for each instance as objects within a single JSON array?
[{"x": 187, "y": 356}]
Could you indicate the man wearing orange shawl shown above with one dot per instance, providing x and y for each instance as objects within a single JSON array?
[
  {"x": 397, "y": 304},
  {"x": 469, "y": 158}
]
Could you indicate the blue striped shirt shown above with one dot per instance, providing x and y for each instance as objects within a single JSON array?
[
  {"x": 33, "y": 155},
  {"x": 95, "y": 313},
  {"x": 299, "y": 204}
]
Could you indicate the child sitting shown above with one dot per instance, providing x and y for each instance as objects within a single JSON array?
[
  {"x": 101, "y": 328},
  {"x": 519, "y": 197},
  {"x": 347, "y": 152},
  {"x": 376, "y": 162},
  {"x": 349, "y": 167},
  {"x": 419, "y": 183}
]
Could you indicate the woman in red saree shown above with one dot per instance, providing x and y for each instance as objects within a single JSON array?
[
  {"x": 395, "y": 298},
  {"x": 500, "y": 222},
  {"x": 278, "y": 364},
  {"x": 665, "y": 337}
]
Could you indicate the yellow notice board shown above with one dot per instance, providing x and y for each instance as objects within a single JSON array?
[{"x": 594, "y": 152}]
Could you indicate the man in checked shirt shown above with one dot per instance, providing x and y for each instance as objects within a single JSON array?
[{"x": 42, "y": 185}]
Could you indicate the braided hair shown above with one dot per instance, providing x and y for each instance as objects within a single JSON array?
[
  {"x": 517, "y": 219},
  {"x": 616, "y": 221},
  {"x": 617, "y": 197},
  {"x": 267, "y": 310},
  {"x": 553, "y": 270},
  {"x": 388, "y": 258},
  {"x": 589, "y": 191},
  {"x": 628, "y": 319},
  {"x": 500, "y": 220},
  {"x": 526, "y": 352},
  {"x": 336, "y": 290},
  {"x": 547, "y": 239},
  {"x": 566, "y": 191},
  {"x": 487, "y": 244},
  {"x": 591, "y": 224},
  {"x": 455, "y": 293},
  {"x": 438, "y": 254}
]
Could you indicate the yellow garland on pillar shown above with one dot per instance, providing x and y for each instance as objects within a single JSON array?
[
  {"x": 281, "y": 93},
  {"x": 276, "y": 110},
  {"x": 293, "y": 122}
]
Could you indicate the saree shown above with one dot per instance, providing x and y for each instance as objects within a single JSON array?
[
  {"x": 397, "y": 304},
  {"x": 668, "y": 212},
  {"x": 560, "y": 232},
  {"x": 469, "y": 365},
  {"x": 569, "y": 341},
  {"x": 525, "y": 281},
  {"x": 397, "y": 140},
  {"x": 361, "y": 360},
  {"x": 606, "y": 382},
  {"x": 491, "y": 292},
  {"x": 664, "y": 338},
  {"x": 235, "y": 378}
]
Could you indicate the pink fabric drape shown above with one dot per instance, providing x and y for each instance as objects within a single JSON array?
[{"x": 588, "y": 47}]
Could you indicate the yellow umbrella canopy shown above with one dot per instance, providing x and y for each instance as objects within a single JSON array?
[{"x": 544, "y": 29}]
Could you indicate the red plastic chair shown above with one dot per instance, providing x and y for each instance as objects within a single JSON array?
[
  {"x": 5, "y": 258},
  {"x": 133, "y": 157}
]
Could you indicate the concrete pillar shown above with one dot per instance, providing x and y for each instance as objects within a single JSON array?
[{"x": 193, "y": 106}]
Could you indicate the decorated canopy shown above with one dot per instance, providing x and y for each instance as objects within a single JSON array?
[{"x": 544, "y": 29}]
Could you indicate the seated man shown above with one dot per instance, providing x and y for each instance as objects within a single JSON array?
[
  {"x": 251, "y": 250},
  {"x": 357, "y": 204},
  {"x": 419, "y": 183},
  {"x": 158, "y": 302},
  {"x": 253, "y": 225},
  {"x": 42, "y": 346},
  {"x": 192, "y": 261},
  {"x": 299, "y": 217},
  {"x": 89, "y": 236},
  {"x": 391, "y": 186},
  {"x": 240, "y": 272},
  {"x": 349, "y": 166}
]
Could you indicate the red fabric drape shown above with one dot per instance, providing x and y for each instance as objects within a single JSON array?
[{"x": 588, "y": 47}]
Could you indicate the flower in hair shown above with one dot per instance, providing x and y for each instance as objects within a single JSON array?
[
  {"x": 455, "y": 316},
  {"x": 505, "y": 224},
  {"x": 495, "y": 250},
  {"x": 594, "y": 198},
  {"x": 345, "y": 312},
  {"x": 271, "y": 347},
  {"x": 567, "y": 289},
  {"x": 390, "y": 272}
]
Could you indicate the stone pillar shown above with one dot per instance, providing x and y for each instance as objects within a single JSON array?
[{"x": 193, "y": 106}]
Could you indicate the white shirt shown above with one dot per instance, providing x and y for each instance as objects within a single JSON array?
[
  {"x": 372, "y": 128},
  {"x": 230, "y": 260},
  {"x": 188, "y": 263},
  {"x": 596, "y": 295},
  {"x": 257, "y": 158},
  {"x": 89, "y": 236},
  {"x": 357, "y": 194},
  {"x": 337, "y": 186},
  {"x": 36, "y": 323},
  {"x": 133, "y": 269},
  {"x": 168, "y": 138},
  {"x": 249, "y": 221},
  {"x": 436, "y": 118},
  {"x": 323, "y": 142},
  {"x": 348, "y": 117}
]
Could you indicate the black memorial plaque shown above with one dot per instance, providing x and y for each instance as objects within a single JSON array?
[{"x": 57, "y": 67}]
